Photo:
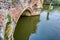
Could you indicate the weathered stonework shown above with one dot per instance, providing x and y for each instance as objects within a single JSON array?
[{"x": 10, "y": 12}]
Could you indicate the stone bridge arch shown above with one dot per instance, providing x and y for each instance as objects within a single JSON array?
[
  {"x": 15, "y": 15},
  {"x": 27, "y": 12}
]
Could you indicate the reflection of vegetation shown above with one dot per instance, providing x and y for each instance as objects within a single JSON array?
[
  {"x": 55, "y": 2},
  {"x": 26, "y": 26},
  {"x": 47, "y": 1},
  {"x": 57, "y": 7},
  {"x": 49, "y": 9},
  {"x": 47, "y": 17},
  {"x": 49, "y": 6}
]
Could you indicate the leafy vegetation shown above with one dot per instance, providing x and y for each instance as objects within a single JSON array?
[
  {"x": 54, "y": 2},
  {"x": 9, "y": 17}
]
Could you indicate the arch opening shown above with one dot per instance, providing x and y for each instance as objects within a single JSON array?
[{"x": 27, "y": 12}]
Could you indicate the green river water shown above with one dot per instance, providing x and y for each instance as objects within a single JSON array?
[{"x": 26, "y": 26}]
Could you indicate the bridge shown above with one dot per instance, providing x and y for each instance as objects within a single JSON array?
[{"x": 11, "y": 12}]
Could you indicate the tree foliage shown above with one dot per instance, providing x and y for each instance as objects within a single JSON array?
[{"x": 53, "y": 1}]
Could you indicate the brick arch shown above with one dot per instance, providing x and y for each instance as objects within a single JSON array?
[{"x": 29, "y": 10}]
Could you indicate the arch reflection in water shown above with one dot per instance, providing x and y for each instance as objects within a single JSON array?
[{"x": 26, "y": 26}]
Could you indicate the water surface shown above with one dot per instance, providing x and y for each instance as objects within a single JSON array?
[
  {"x": 43, "y": 27},
  {"x": 49, "y": 26},
  {"x": 26, "y": 26}
]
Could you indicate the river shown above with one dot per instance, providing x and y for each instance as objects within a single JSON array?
[{"x": 43, "y": 27}]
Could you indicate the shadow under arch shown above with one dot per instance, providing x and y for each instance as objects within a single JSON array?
[
  {"x": 25, "y": 26},
  {"x": 27, "y": 12}
]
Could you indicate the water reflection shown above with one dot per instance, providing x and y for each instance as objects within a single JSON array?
[
  {"x": 26, "y": 26},
  {"x": 48, "y": 27},
  {"x": 47, "y": 16},
  {"x": 48, "y": 30}
]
